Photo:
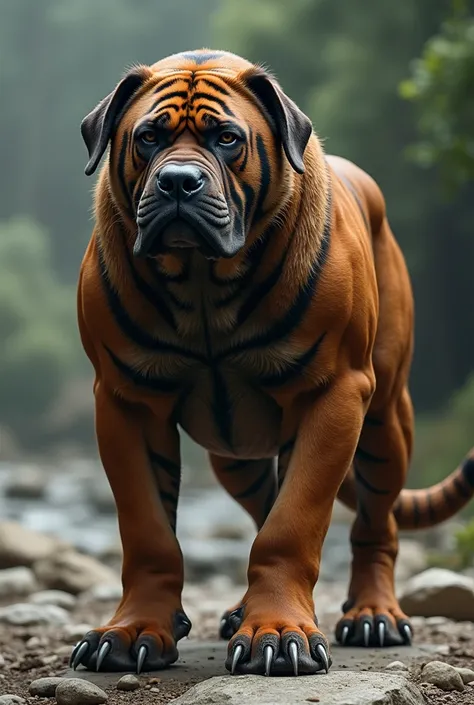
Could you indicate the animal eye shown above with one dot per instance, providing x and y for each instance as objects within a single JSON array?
[
  {"x": 227, "y": 138},
  {"x": 148, "y": 137}
]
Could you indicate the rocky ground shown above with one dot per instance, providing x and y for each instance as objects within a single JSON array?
[{"x": 59, "y": 562}]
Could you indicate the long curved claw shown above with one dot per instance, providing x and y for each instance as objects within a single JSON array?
[
  {"x": 293, "y": 651},
  {"x": 344, "y": 635},
  {"x": 323, "y": 655},
  {"x": 142, "y": 654},
  {"x": 382, "y": 633},
  {"x": 268, "y": 658},
  {"x": 366, "y": 633},
  {"x": 103, "y": 651},
  {"x": 408, "y": 634},
  {"x": 78, "y": 653},
  {"x": 236, "y": 657}
]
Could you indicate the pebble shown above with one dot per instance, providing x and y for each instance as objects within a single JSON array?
[
  {"x": 396, "y": 666},
  {"x": 17, "y": 581},
  {"x": 11, "y": 700},
  {"x": 128, "y": 682},
  {"x": 76, "y": 631},
  {"x": 155, "y": 690},
  {"x": 44, "y": 687},
  {"x": 72, "y": 572},
  {"x": 439, "y": 593},
  {"x": 466, "y": 674},
  {"x": 54, "y": 597},
  {"x": 2, "y": 661},
  {"x": 24, "y": 614},
  {"x": 75, "y": 691},
  {"x": 442, "y": 675},
  {"x": 36, "y": 642}
]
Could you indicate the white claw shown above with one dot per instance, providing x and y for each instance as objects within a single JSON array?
[
  {"x": 382, "y": 633},
  {"x": 268, "y": 657},
  {"x": 103, "y": 651},
  {"x": 293, "y": 650},
  {"x": 237, "y": 654},
  {"x": 142, "y": 654},
  {"x": 79, "y": 654},
  {"x": 366, "y": 633},
  {"x": 407, "y": 632},
  {"x": 344, "y": 635},
  {"x": 323, "y": 655}
]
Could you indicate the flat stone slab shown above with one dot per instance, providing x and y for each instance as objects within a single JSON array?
[
  {"x": 200, "y": 660},
  {"x": 335, "y": 688}
]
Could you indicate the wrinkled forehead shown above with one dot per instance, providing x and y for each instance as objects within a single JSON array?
[{"x": 204, "y": 88}]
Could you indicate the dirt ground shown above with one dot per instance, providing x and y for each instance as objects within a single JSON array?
[{"x": 35, "y": 652}]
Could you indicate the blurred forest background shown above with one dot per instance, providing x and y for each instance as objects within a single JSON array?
[{"x": 388, "y": 85}]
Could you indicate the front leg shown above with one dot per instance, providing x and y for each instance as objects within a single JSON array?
[
  {"x": 279, "y": 633},
  {"x": 149, "y": 620}
]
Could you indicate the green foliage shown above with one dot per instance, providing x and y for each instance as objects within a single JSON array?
[
  {"x": 442, "y": 88},
  {"x": 465, "y": 545},
  {"x": 40, "y": 343}
]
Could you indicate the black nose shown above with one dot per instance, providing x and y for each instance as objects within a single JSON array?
[{"x": 179, "y": 180}]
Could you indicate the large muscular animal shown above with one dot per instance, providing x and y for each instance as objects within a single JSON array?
[{"x": 243, "y": 286}]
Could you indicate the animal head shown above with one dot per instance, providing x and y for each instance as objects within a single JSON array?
[{"x": 204, "y": 146}]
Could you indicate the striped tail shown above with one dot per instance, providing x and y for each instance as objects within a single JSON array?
[{"x": 419, "y": 509}]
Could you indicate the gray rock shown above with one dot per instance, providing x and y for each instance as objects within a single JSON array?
[
  {"x": 442, "y": 675},
  {"x": 23, "y": 614},
  {"x": 466, "y": 674},
  {"x": 128, "y": 682},
  {"x": 104, "y": 592},
  {"x": 44, "y": 687},
  {"x": 21, "y": 547},
  {"x": 27, "y": 482},
  {"x": 17, "y": 581},
  {"x": 11, "y": 700},
  {"x": 54, "y": 597},
  {"x": 336, "y": 688},
  {"x": 412, "y": 559},
  {"x": 75, "y": 691},
  {"x": 439, "y": 593},
  {"x": 76, "y": 631},
  {"x": 72, "y": 571},
  {"x": 396, "y": 666}
]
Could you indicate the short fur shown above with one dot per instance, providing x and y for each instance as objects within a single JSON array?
[{"x": 286, "y": 356}]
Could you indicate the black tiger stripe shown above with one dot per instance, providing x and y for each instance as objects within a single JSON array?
[
  {"x": 172, "y": 468},
  {"x": 366, "y": 484},
  {"x": 283, "y": 327},
  {"x": 131, "y": 330},
  {"x": 468, "y": 471},
  {"x": 221, "y": 403},
  {"x": 168, "y": 96},
  {"x": 248, "y": 148},
  {"x": 431, "y": 509},
  {"x": 167, "y": 84},
  {"x": 201, "y": 95},
  {"x": 255, "y": 486},
  {"x": 461, "y": 488},
  {"x": 448, "y": 497},
  {"x": 416, "y": 511},
  {"x": 154, "y": 384},
  {"x": 163, "y": 275},
  {"x": 265, "y": 176},
  {"x": 367, "y": 457},
  {"x": 217, "y": 87},
  {"x": 294, "y": 368},
  {"x": 121, "y": 172},
  {"x": 207, "y": 108},
  {"x": 171, "y": 106}
]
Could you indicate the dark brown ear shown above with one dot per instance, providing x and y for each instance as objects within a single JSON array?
[
  {"x": 293, "y": 125},
  {"x": 97, "y": 126}
]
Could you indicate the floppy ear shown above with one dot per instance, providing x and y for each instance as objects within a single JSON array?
[
  {"x": 97, "y": 126},
  {"x": 293, "y": 125}
]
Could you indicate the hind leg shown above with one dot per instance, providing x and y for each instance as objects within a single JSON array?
[
  {"x": 253, "y": 484},
  {"x": 372, "y": 615}
]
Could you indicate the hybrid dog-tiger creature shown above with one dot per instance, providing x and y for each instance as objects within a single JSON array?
[{"x": 243, "y": 286}]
